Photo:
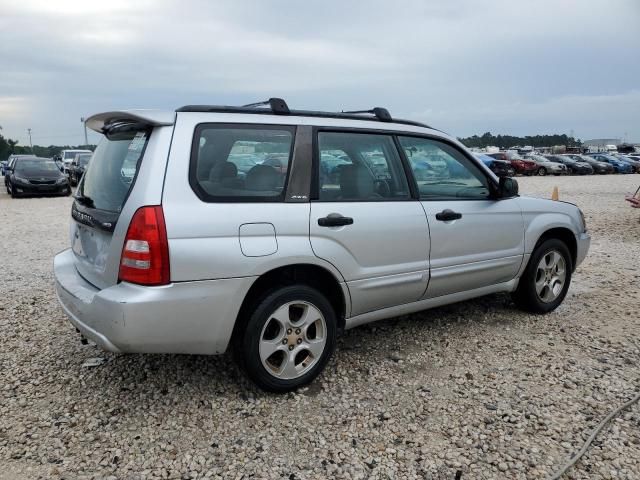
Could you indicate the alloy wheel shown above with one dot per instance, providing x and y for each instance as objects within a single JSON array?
[
  {"x": 293, "y": 340},
  {"x": 551, "y": 275}
]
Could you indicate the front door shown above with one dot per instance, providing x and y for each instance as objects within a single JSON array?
[
  {"x": 365, "y": 222},
  {"x": 476, "y": 241}
]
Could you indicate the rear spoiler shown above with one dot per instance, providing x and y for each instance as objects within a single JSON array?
[{"x": 154, "y": 118}]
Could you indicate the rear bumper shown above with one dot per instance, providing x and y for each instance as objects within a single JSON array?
[
  {"x": 583, "y": 242},
  {"x": 183, "y": 317}
]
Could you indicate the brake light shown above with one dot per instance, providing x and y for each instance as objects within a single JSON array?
[{"x": 145, "y": 255}]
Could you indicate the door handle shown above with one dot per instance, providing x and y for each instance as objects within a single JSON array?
[
  {"x": 334, "y": 220},
  {"x": 447, "y": 215}
]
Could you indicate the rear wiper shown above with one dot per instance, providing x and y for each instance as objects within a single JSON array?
[{"x": 84, "y": 200}]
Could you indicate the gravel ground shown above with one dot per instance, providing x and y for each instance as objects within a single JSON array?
[{"x": 476, "y": 387}]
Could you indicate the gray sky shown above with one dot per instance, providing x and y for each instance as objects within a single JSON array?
[{"x": 464, "y": 66}]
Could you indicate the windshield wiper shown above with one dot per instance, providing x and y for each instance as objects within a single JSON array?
[{"x": 84, "y": 200}]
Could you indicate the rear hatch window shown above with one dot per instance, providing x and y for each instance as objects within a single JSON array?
[{"x": 108, "y": 180}]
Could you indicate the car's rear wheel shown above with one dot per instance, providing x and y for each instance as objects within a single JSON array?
[
  {"x": 288, "y": 338},
  {"x": 542, "y": 171},
  {"x": 546, "y": 279}
]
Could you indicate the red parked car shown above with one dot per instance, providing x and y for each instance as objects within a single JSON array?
[{"x": 522, "y": 166}]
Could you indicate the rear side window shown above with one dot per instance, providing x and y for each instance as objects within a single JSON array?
[
  {"x": 240, "y": 162},
  {"x": 114, "y": 165}
]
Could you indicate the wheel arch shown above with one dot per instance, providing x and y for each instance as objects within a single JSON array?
[
  {"x": 309, "y": 274},
  {"x": 563, "y": 234}
]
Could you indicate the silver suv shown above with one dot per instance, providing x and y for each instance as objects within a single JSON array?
[{"x": 271, "y": 230}]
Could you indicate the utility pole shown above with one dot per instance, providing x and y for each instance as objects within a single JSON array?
[
  {"x": 30, "y": 142},
  {"x": 86, "y": 142}
]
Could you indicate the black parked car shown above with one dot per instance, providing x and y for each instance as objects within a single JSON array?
[
  {"x": 575, "y": 167},
  {"x": 598, "y": 167},
  {"x": 78, "y": 166},
  {"x": 36, "y": 176}
]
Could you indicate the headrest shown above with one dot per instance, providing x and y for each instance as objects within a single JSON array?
[
  {"x": 262, "y": 177},
  {"x": 356, "y": 182},
  {"x": 223, "y": 170}
]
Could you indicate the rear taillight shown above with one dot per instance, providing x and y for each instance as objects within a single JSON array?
[{"x": 145, "y": 255}]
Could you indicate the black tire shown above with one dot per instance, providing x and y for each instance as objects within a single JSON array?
[
  {"x": 247, "y": 338},
  {"x": 542, "y": 171},
  {"x": 12, "y": 191},
  {"x": 526, "y": 297}
]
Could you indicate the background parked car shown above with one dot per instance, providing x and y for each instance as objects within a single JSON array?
[
  {"x": 520, "y": 165},
  {"x": 36, "y": 176},
  {"x": 546, "y": 166},
  {"x": 67, "y": 157},
  {"x": 617, "y": 164},
  {"x": 78, "y": 166},
  {"x": 3, "y": 165},
  {"x": 598, "y": 167},
  {"x": 626, "y": 158},
  {"x": 501, "y": 168},
  {"x": 574, "y": 167}
]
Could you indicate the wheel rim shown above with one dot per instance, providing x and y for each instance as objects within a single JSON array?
[
  {"x": 551, "y": 275},
  {"x": 542, "y": 172},
  {"x": 293, "y": 340}
]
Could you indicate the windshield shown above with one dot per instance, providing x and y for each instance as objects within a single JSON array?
[
  {"x": 108, "y": 179},
  {"x": 37, "y": 167},
  {"x": 83, "y": 160}
]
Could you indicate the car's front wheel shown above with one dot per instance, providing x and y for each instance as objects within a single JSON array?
[
  {"x": 288, "y": 338},
  {"x": 546, "y": 279},
  {"x": 542, "y": 171}
]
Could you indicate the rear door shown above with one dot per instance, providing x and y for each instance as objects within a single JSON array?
[
  {"x": 476, "y": 241},
  {"x": 365, "y": 222}
]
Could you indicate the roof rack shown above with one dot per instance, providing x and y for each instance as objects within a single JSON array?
[
  {"x": 381, "y": 114},
  {"x": 277, "y": 106}
]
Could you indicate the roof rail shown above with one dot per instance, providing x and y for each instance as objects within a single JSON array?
[
  {"x": 277, "y": 105},
  {"x": 381, "y": 114}
]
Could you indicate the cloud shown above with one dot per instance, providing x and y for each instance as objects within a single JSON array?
[{"x": 466, "y": 66}]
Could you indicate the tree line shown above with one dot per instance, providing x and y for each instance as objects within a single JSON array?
[
  {"x": 9, "y": 146},
  {"x": 505, "y": 141}
]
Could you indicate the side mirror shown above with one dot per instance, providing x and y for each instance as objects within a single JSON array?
[{"x": 508, "y": 187}]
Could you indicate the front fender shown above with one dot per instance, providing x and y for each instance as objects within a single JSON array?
[{"x": 540, "y": 216}]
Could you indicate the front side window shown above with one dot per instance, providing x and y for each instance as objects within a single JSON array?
[
  {"x": 443, "y": 172},
  {"x": 359, "y": 167},
  {"x": 241, "y": 162}
]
